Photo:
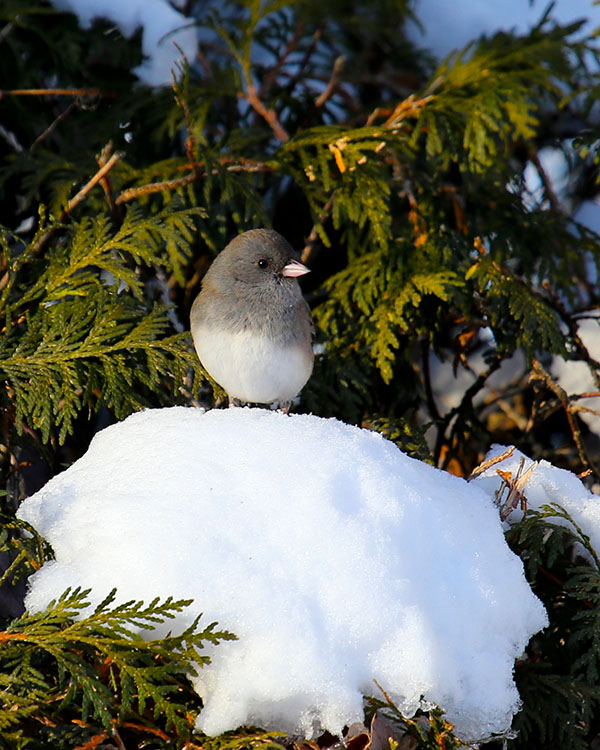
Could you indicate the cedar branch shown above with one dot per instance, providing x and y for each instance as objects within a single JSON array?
[{"x": 243, "y": 165}]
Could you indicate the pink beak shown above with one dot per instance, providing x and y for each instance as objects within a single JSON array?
[{"x": 294, "y": 268}]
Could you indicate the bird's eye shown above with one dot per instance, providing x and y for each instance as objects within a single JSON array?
[{"x": 263, "y": 263}]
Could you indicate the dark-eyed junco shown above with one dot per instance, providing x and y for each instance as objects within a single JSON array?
[{"x": 250, "y": 323}]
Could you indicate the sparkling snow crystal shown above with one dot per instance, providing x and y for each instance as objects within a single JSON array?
[{"x": 335, "y": 558}]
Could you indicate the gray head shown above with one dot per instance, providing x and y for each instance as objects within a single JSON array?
[{"x": 259, "y": 260}]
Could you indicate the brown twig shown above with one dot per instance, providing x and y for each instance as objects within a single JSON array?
[
  {"x": 102, "y": 160},
  {"x": 572, "y": 324},
  {"x": 299, "y": 73},
  {"x": 4, "y": 636},
  {"x": 52, "y": 126},
  {"x": 333, "y": 81},
  {"x": 408, "y": 107},
  {"x": 467, "y": 398},
  {"x": 56, "y": 92},
  {"x": 484, "y": 465},
  {"x": 539, "y": 373},
  {"x": 268, "y": 114},
  {"x": 243, "y": 165},
  {"x": 117, "y": 739},
  {"x": 82, "y": 194},
  {"x": 311, "y": 240},
  {"x": 190, "y": 141},
  {"x": 143, "y": 728},
  {"x": 6, "y": 31},
  {"x": 273, "y": 72},
  {"x": 94, "y": 742}
]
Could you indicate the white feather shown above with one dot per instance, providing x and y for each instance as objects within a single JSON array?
[{"x": 253, "y": 368}]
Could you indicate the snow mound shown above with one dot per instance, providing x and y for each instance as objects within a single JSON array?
[
  {"x": 544, "y": 484},
  {"x": 334, "y": 557}
]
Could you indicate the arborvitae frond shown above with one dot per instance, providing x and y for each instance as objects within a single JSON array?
[
  {"x": 557, "y": 713},
  {"x": 65, "y": 656},
  {"x": 559, "y": 681},
  {"x": 386, "y": 295},
  {"x": 26, "y": 552},
  {"x": 518, "y": 309},
  {"x": 485, "y": 93},
  {"x": 102, "y": 350},
  {"x": 93, "y": 247},
  {"x": 81, "y": 334},
  {"x": 409, "y": 437}
]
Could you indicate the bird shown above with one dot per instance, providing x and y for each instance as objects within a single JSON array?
[{"x": 251, "y": 326}]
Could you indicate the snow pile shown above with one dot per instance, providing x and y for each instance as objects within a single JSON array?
[
  {"x": 163, "y": 29},
  {"x": 543, "y": 484},
  {"x": 335, "y": 558}
]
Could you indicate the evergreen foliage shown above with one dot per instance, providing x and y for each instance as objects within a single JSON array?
[
  {"x": 558, "y": 680},
  {"x": 401, "y": 180}
]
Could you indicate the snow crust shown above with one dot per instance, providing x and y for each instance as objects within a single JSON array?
[
  {"x": 335, "y": 558},
  {"x": 543, "y": 485},
  {"x": 163, "y": 28}
]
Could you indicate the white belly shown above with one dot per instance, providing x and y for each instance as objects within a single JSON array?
[{"x": 252, "y": 368}]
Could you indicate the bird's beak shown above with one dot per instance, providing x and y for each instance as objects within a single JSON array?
[{"x": 294, "y": 268}]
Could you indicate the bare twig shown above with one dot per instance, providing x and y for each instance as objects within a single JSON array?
[
  {"x": 243, "y": 165},
  {"x": 268, "y": 114},
  {"x": 82, "y": 194},
  {"x": 11, "y": 139},
  {"x": 484, "y": 465},
  {"x": 6, "y": 31},
  {"x": 311, "y": 240},
  {"x": 467, "y": 398},
  {"x": 299, "y": 73},
  {"x": 154, "y": 187},
  {"x": 409, "y": 107},
  {"x": 117, "y": 739},
  {"x": 333, "y": 81},
  {"x": 539, "y": 373},
  {"x": 143, "y": 728},
  {"x": 273, "y": 72},
  {"x": 52, "y": 126},
  {"x": 55, "y": 92},
  {"x": 190, "y": 141},
  {"x": 102, "y": 159}
]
